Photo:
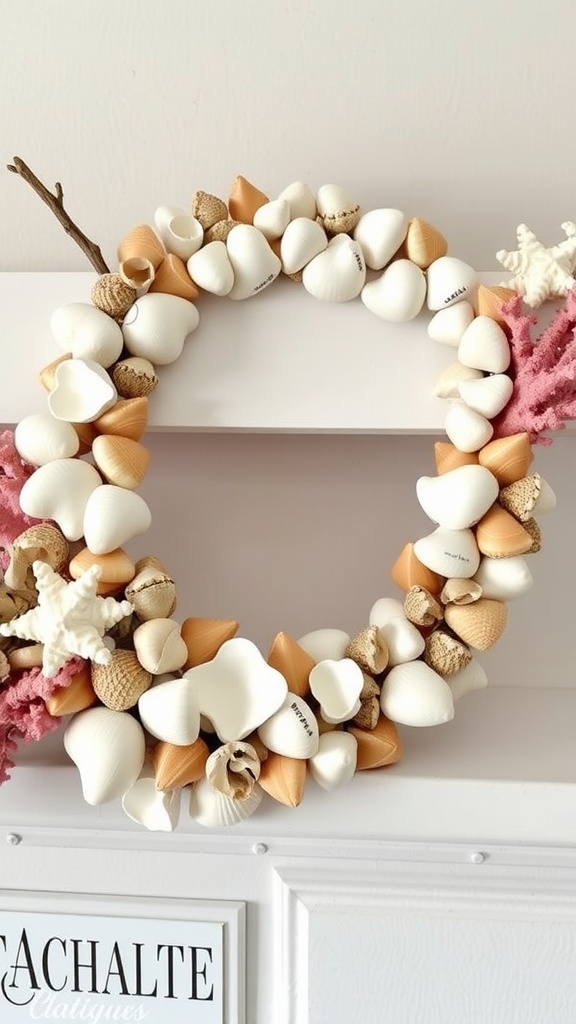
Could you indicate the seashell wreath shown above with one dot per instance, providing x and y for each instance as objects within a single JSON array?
[{"x": 154, "y": 706}]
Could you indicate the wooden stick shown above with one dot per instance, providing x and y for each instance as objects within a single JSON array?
[{"x": 56, "y": 204}]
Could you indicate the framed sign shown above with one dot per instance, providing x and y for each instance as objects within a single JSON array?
[{"x": 98, "y": 959}]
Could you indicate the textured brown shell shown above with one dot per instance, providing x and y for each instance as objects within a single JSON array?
[
  {"x": 133, "y": 383},
  {"x": 520, "y": 497},
  {"x": 480, "y": 624},
  {"x": 112, "y": 295},
  {"x": 120, "y": 683},
  {"x": 421, "y": 607},
  {"x": 369, "y": 650},
  {"x": 208, "y": 209},
  {"x": 445, "y": 653}
]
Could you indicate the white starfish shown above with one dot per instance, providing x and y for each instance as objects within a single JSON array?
[
  {"x": 69, "y": 618},
  {"x": 541, "y": 273}
]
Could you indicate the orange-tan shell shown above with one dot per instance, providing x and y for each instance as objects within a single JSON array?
[
  {"x": 244, "y": 200},
  {"x": 490, "y": 298},
  {"x": 283, "y": 778},
  {"x": 480, "y": 624},
  {"x": 408, "y": 571},
  {"x": 172, "y": 278},
  {"x": 177, "y": 766},
  {"x": 76, "y": 696},
  {"x": 117, "y": 568},
  {"x": 121, "y": 460},
  {"x": 500, "y": 535},
  {"x": 448, "y": 457},
  {"x": 292, "y": 661},
  {"x": 127, "y": 418},
  {"x": 423, "y": 244},
  {"x": 379, "y": 746},
  {"x": 508, "y": 458},
  {"x": 204, "y": 638}
]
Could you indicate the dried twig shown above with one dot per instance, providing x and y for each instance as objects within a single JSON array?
[{"x": 56, "y": 204}]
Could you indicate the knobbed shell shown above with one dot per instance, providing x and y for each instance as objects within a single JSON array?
[
  {"x": 487, "y": 395},
  {"x": 484, "y": 346},
  {"x": 471, "y": 677},
  {"x": 467, "y": 429},
  {"x": 211, "y": 268},
  {"x": 403, "y": 640},
  {"x": 321, "y": 644},
  {"x": 504, "y": 578},
  {"x": 302, "y": 240},
  {"x": 233, "y": 769},
  {"x": 108, "y": 749},
  {"x": 448, "y": 383},
  {"x": 215, "y": 810},
  {"x": 301, "y": 200},
  {"x": 272, "y": 218},
  {"x": 449, "y": 552}
]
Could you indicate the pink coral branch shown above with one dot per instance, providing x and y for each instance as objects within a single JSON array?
[{"x": 13, "y": 474}]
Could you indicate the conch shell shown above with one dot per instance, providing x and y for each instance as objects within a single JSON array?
[{"x": 233, "y": 769}]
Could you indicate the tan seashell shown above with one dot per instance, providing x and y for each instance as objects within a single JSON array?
[
  {"x": 533, "y": 530},
  {"x": 423, "y": 243},
  {"x": 233, "y": 769},
  {"x": 526, "y": 496},
  {"x": 22, "y": 658},
  {"x": 219, "y": 232},
  {"x": 120, "y": 460},
  {"x": 460, "y": 591},
  {"x": 408, "y": 571},
  {"x": 293, "y": 662},
  {"x": 379, "y": 746},
  {"x": 152, "y": 591},
  {"x": 140, "y": 252},
  {"x": 480, "y": 624},
  {"x": 208, "y": 209},
  {"x": 445, "y": 653},
  {"x": 111, "y": 294},
  {"x": 421, "y": 607},
  {"x": 4, "y": 667},
  {"x": 134, "y": 377},
  {"x": 204, "y": 638},
  {"x": 324, "y": 726},
  {"x": 117, "y": 569},
  {"x": 368, "y": 715},
  {"x": 178, "y": 766},
  {"x": 447, "y": 457},
  {"x": 128, "y": 418},
  {"x": 173, "y": 278},
  {"x": 508, "y": 458},
  {"x": 78, "y": 695},
  {"x": 500, "y": 535},
  {"x": 121, "y": 682},
  {"x": 160, "y": 646},
  {"x": 86, "y": 434},
  {"x": 489, "y": 300},
  {"x": 283, "y": 778},
  {"x": 43, "y": 541},
  {"x": 244, "y": 200},
  {"x": 369, "y": 650},
  {"x": 47, "y": 375}
]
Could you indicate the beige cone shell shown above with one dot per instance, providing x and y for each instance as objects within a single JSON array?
[
  {"x": 379, "y": 746},
  {"x": 78, "y": 695},
  {"x": 369, "y": 650},
  {"x": 134, "y": 377},
  {"x": 480, "y": 624},
  {"x": 447, "y": 457},
  {"x": 47, "y": 375},
  {"x": 423, "y": 243},
  {"x": 86, "y": 434},
  {"x": 121, "y": 682},
  {"x": 159, "y": 646},
  {"x": 369, "y": 713},
  {"x": 283, "y": 778},
  {"x": 244, "y": 200},
  {"x": 500, "y": 535},
  {"x": 233, "y": 769},
  {"x": 20, "y": 659},
  {"x": 208, "y": 209},
  {"x": 204, "y": 638},
  {"x": 172, "y": 278},
  {"x": 408, "y": 571},
  {"x": 508, "y": 458},
  {"x": 120, "y": 460},
  {"x": 460, "y": 591},
  {"x": 140, "y": 252},
  {"x": 293, "y": 662},
  {"x": 42, "y": 541},
  {"x": 445, "y": 653},
  {"x": 128, "y": 418},
  {"x": 421, "y": 607},
  {"x": 117, "y": 568},
  {"x": 177, "y": 766},
  {"x": 112, "y": 295},
  {"x": 152, "y": 591},
  {"x": 489, "y": 300}
]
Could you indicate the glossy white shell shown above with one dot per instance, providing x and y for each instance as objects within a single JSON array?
[
  {"x": 40, "y": 438},
  {"x": 60, "y": 490},
  {"x": 170, "y": 711},
  {"x": 459, "y": 498},
  {"x": 380, "y": 233},
  {"x": 448, "y": 383},
  {"x": 82, "y": 391},
  {"x": 211, "y": 269},
  {"x": 301, "y": 200},
  {"x": 108, "y": 749},
  {"x": 113, "y": 516},
  {"x": 503, "y": 579},
  {"x": 450, "y": 280},
  {"x": 157, "y": 810},
  {"x": 159, "y": 646},
  {"x": 413, "y": 694},
  {"x": 484, "y": 346},
  {"x": 487, "y": 395},
  {"x": 213, "y": 809},
  {"x": 254, "y": 264},
  {"x": 450, "y": 553},
  {"x": 292, "y": 730},
  {"x": 87, "y": 333},
  {"x": 272, "y": 218},
  {"x": 301, "y": 242},
  {"x": 337, "y": 685},
  {"x": 325, "y": 643},
  {"x": 468, "y": 430},
  {"x": 338, "y": 273},
  {"x": 181, "y": 233},
  {"x": 334, "y": 764},
  {"x": 448, "y": 325},
  {"x": 471, "y": 677},
  {"x": 398, "y": 294},
  {"x": 332, "y": 200},
  {"x": 157, "y": 326}
]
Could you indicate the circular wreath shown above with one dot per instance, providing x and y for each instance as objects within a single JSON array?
[{"x": 153, "y": 706}]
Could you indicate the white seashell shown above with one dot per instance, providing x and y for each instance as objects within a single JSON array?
[
  {"x": 181, "y": 233},
  {"x": 82, "y": 391},
  {"x": 413, "y": 694},
  {"x": 87, "y": 333},
  {"x": 337, "y": 274},
  {"x": 170, "y": 711},
  {"x": 113, "y": 516},
  {"x": 503, "y": 579},
  {"x": 385, "y": 609},
  {"x": 471, "y": 677},
  {"x": 157, "y": 810},
  {"x": 40, "y": 438},
  {"x": 60, "y": 490},
  {"x": 459, "y": 498},
  {"x": 108, "y": 748},
  {"x": 450, "y": 553},
  {"x": 334, "y": 764},
  {"x": 484, "y": 346},
  {"x": 335, "y": 204},
  {"x": 300, "y": 199},
  {"x": 448, "y": 325},
  {"x": 157, "y": 325},
  {"x": 337, "y": 685},
  {"x": 403, "y": 640},
  {"x": 325, "y": 643},
  {"x": 546, "y": 500},
  {"x": 292, "y": 730},
  {"x": 254, "y": 264},
  {"x": 301, "y": 242},
  {"x": 272, "y": 218},
  {"x": 488, "y": 395},
  {"x": 447, "y": 385},
  {"x": 398, "y": 295},
  {"x": 380, "y": 233},
  {"x": 211, "y": 269},
  {"x": 238, "y": 690},
  {"x": 468, "y": 430},
  {"x": 213, "y": 809},
  {"x": 159, "y": 646},
  {"x": 450, "y": 280}
]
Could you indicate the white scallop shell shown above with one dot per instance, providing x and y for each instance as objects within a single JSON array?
[
  {"x": 292, "y": 730},
  {"x": 448, "y": 325},
  {"x": 181, "y": 233},
  {"x": 398, "y": 294},
  {"x": 211, "y": 269},
  {"x": 301, "y": 242},
  {"x": 503, "y": 579},
  {"x": 338, "y": 273},
  {"x": 301, "y": 200},
  {"x": 450, "y": 553},
  {"x": 325, "y": 643},
  {"x": 447, "y": 385},
  {"x": 332, "y": 200},
  {"x": 471, "y": 677},
  {"x": 170, "y": 711},
  {"x": 272, "y": 218},
  {"x": 82, "y": 391},
  {"x": 380, "y": 233},
  {"x": 157, "y": 326},
  {"x": 385, "y": 609},
  {"x": 337, "y": 685},
  {"x": 450, "y": 280},
  {"x": 468, "y": 430},
  {"x": 156, "y": 809},
  {"x": 413, "y": 694},
  {"x": 334, "y": 764},
  {"x": 40, "y": 438},
  {"x": 108, "y": 748},
  {"x": 60, "y": 490},
  {"x": 254, "y": 264},
  {"x": 159, "y": 646},
  {"x": 487, "y": 395},
  {"x": 459, "y": 498},
  {"x": 87, "y": 333},
  {"x": 484, "y": 346},
  {"x": 113, "y": 516},
  {"x": 213, "y": 809}
]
